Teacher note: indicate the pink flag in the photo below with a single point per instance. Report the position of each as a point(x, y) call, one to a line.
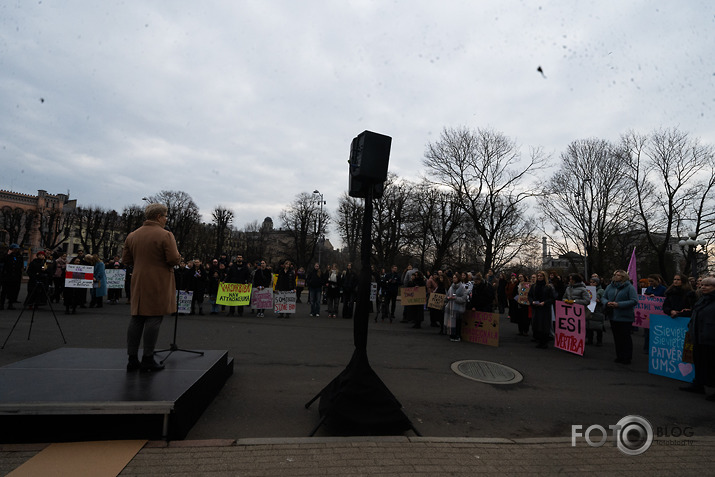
point(632, 269)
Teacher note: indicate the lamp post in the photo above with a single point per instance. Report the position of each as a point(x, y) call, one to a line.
point(692, 243)
point(321, 237)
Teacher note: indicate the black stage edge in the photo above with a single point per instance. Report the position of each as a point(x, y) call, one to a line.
point(77, 394)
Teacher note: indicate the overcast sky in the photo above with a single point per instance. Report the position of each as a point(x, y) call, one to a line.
point(246, 104)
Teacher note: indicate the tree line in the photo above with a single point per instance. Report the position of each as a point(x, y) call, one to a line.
point(480, 204)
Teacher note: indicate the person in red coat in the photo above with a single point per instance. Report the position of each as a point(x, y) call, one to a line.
point(152, 251)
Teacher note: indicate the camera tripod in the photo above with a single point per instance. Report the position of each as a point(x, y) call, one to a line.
point(40, 287)
point(173, 346)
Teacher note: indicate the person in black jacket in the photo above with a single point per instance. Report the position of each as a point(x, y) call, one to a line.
point(315, 282)
point(285, 281)
point(11, 276)
point(197, 281)
point(263, 278)
point(482, 298)
point(391, 282)
point(350, 283)
point(237, 273)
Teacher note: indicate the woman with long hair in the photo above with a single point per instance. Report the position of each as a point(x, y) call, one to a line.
point(456, 301)
point(541, 299)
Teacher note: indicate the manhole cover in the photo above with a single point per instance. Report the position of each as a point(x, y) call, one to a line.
point(487, 372)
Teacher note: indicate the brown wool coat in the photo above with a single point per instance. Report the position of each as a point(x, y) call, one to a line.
point(152, 250)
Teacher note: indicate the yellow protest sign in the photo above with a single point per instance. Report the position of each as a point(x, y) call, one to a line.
point(233, 294)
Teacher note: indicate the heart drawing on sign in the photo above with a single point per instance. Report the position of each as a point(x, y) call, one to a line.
point(685, 368)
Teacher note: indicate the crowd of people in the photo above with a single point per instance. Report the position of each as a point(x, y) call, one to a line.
point(527, 300)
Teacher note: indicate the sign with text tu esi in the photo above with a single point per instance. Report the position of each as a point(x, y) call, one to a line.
point(570, 327)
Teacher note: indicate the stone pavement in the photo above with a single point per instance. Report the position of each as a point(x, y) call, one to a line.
point(402, 456)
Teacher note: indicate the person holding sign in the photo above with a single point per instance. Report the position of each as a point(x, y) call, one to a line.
point(262, 279)
point(679, 298)
point(702, 329)
point(541, 299)
point(456, 303)
point(152, 251)
point(620, 300)
point(285, 281)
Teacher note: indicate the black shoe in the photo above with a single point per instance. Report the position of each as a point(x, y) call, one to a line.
point(134, 364)
point(10, 307)
point(416, 326)
point(710, 398)
point(693, 388)
point(542, 346)
point(148, 365)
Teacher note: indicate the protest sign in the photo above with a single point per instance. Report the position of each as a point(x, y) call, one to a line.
point(413, 296)
point(233, 294)
point(185, 301)
point(647, 305)
point(284, 302)
point(262, 299)
point(436, 301)
point(115, 277)
point(592, 292)
point(480, 327)
point(570, 327)
point(522, 296)
point(300, 282)
point(373, 291)
point(79, 276)
point(665, 353)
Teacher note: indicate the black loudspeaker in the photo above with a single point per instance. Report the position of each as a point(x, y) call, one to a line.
point(369, 157)
point(360, 188)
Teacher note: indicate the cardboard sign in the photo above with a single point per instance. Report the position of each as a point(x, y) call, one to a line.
point(262, 299)
point(480, 327)
point(233, 294)
point(116, 277)
point(284, 302)
point(414, 296)
point(665, 353)
point(648, 305)
point(373, 291)
point(522, 297)
point(185, 301)
point(570, 327)
point(436, 301)
point(79, 276)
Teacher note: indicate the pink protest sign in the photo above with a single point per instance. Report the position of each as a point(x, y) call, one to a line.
point(262, 299)
point(648, 305)
point(570, 327)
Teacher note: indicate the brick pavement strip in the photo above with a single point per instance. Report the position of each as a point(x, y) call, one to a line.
point(398, 456)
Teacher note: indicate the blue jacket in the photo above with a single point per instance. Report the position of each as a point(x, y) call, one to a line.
point(625, 295)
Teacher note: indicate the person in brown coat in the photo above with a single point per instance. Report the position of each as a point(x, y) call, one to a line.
point(152, 251)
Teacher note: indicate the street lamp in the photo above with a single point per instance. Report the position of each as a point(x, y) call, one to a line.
point(692, 244)
point(321, 238)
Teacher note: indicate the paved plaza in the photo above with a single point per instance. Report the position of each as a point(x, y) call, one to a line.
point(258, 424)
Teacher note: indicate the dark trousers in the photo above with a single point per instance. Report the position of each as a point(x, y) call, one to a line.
point(10, 291)
point(392, 301)
point(622, 339)
point(143, 325)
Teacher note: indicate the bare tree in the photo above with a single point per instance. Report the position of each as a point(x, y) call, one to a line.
point(390, 220)
point(183, 215)
point(349, 222)
point(96, 228)
point(485, 171)
point(222, 221)
point(667, 170)
point(17, 222)
point(588, 201)
point(305, 224)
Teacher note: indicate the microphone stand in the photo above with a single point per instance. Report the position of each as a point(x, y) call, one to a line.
point(173, 346)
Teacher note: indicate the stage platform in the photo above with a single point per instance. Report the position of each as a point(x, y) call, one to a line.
point(74, 394)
